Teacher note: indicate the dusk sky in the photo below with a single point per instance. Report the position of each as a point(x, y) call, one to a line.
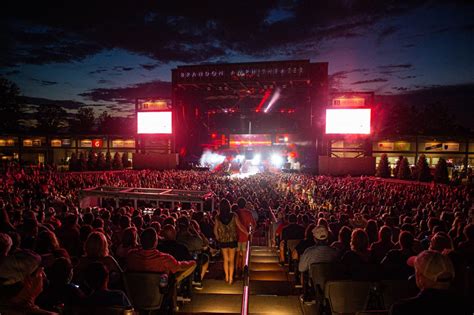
point(107, 53)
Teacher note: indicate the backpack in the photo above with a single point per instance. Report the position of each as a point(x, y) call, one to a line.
point(227, 233)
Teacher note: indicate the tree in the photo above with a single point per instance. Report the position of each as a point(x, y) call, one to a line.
point(125, 162)
point(82, 164)
point(117, 162)
point(73, 163)
point(91, 161)
point(10, 108)
point(104, 123)
point(441, 172)
point(397, 166)
point(84, 120)
point(383, 169)
point(108, 161)
point(404, 170)
point(50, 117)
point(100, 162)
point(422, 170)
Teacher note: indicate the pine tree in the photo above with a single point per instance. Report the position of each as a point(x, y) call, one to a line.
point(404, 170)
point(91, 161)
point(73, 163)
point(117, 162)
point(441, 172)
point(423, 173)
point(82, 165)
point(108, 161)
point(100, 166)
point(125, 161)
point(397, 166)
point(383, 169)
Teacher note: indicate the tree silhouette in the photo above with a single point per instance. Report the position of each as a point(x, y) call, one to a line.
point(82, 164)
point(50, 118)
point(404, 170)
point(441, 172)
point(108, 161)
point(117, 162)
point(422, 170)
point(10, 108)
point(383, 169)
point(84, 120)
point(91, 161)
point(73, 163)
point(100, 166)
point(397, 166)
point(125, 162)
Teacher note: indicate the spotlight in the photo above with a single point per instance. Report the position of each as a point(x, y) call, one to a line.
point(256, 159)
point(277, 160)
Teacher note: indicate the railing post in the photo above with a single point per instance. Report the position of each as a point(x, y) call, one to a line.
point(244, 310)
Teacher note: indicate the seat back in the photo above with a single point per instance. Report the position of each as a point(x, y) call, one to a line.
point(394, 291)
point(347, 296)
point(94, 310)
point(324, 272)
point(373, 312)
point(143, 290)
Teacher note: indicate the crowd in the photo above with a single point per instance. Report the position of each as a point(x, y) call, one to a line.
point(55, 255)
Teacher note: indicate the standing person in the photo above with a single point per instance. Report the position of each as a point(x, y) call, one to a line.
point(225, 231)
point(246, 218)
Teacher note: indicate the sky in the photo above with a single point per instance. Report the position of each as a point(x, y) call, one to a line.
point(107, 53)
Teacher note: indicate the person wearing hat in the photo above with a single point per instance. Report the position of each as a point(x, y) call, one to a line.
point(434, 273)
point(321, 252)
point(21, 281)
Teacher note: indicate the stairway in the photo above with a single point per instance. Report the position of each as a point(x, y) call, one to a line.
point(270, 289)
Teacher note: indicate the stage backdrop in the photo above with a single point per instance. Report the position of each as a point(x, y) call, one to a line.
point(346, 166)
point(155, 161)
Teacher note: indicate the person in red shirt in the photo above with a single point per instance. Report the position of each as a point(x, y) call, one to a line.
point(246, 219)
point(149, 259)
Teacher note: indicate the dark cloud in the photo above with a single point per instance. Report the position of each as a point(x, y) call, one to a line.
point(13, 72)
point(386, 32)
point(150, 66)
point(377, 80)
point(66, 104)
point(127, 95)
point(182, 31)
point(120, 68)
point(399, 66)
point(336, 80)
point(103, 81)
point(100, 70)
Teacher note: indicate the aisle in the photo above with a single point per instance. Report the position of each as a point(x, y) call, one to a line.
point(270, 289)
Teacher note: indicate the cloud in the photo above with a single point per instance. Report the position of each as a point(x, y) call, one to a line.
point(150, 66)
point(121, 68)
point(66, 104)
point(44, 82)
point(397, 66)
point(386, 32)
point(100, 70)
point(370, 81)
point(128, 94)
point(183, 32)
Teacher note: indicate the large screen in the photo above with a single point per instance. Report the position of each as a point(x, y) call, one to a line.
point(154, 123)
point(348, 121)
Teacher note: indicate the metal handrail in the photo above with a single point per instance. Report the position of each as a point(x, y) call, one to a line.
point(244, 310)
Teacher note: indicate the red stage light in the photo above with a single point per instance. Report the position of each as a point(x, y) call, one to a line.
point(213, 136)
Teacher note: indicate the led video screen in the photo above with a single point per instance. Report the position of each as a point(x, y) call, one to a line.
point(348, 121)
point(248, 140)
point(154, 123)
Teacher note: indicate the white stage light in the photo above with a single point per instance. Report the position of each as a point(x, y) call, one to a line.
point(277, 160)
point(256, 159)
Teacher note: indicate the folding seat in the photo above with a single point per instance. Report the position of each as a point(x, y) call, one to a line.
point(395, 290)
point(146, 290)
point(347, 297)
point(381, 312)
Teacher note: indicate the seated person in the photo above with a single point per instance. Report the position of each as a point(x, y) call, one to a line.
point(434, 273)
point(149, 259)
point(97, 250)
point(97, 277)
point(21, 281)
point(60, 290)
